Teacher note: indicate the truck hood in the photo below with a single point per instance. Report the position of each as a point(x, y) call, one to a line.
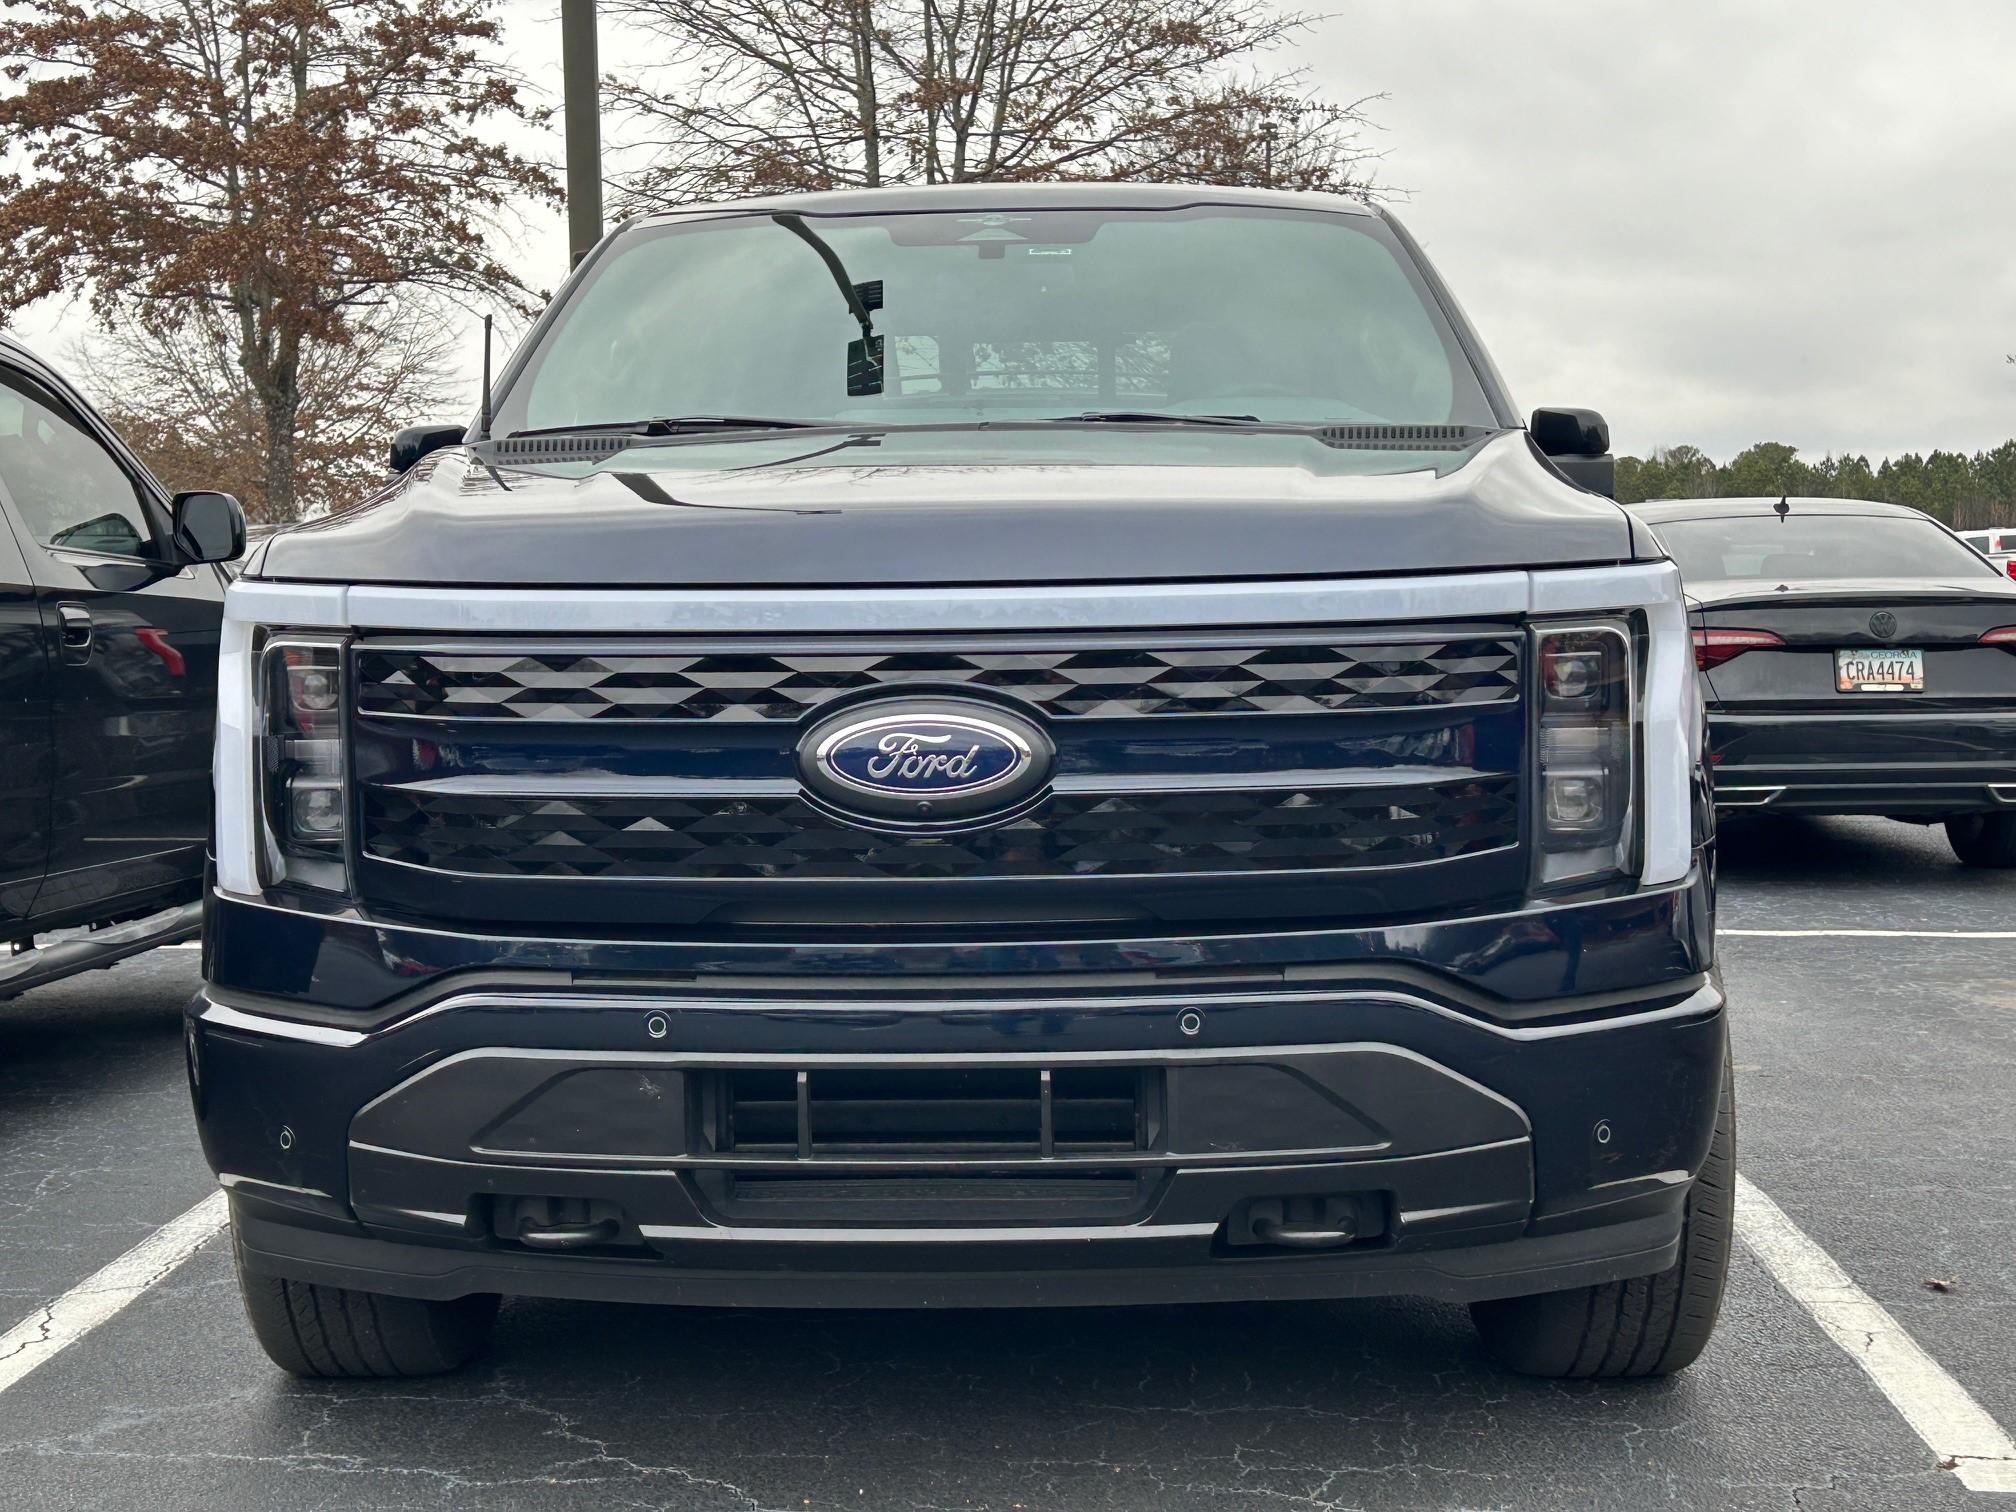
point(966, 508)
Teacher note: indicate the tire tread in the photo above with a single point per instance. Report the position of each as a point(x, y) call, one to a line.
point(1984, 840)
point(1644, 1326)
point(336, 1333)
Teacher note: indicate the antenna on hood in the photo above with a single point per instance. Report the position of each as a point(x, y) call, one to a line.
point(483, 425)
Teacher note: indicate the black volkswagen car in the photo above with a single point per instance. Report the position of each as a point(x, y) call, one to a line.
point(1855, 658)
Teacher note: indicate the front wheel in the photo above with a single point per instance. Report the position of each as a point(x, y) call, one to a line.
point(332, 1331)
point(1648, 1325)
point(1983, 839)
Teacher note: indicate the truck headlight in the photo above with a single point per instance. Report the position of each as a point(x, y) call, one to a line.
point(301, 765)
point(1586, 763)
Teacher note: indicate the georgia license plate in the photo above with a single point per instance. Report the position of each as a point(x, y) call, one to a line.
point(1885, 671)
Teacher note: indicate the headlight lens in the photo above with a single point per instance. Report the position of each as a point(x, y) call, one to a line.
point(301, 760)
point(1586, 761)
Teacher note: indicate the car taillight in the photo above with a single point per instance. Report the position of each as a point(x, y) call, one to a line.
point(2010, 567)
point(1714, 647)
point(1586, 766)
point(2002, 635)
point(301, 761)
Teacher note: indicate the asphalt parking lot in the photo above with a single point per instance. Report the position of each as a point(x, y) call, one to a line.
point(1876, 1069)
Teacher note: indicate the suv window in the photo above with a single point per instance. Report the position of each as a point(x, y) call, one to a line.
point(67, 488)
point(1280, 314)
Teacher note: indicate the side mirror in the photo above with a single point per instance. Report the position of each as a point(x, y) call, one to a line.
point(209, 527)
point(1578, 442)
point(416, 441)
point(1570, 433)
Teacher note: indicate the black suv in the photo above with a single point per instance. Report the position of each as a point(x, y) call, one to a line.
point(972, 747)
point(111, 600)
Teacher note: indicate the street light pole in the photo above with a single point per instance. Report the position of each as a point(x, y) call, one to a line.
point(582, 79)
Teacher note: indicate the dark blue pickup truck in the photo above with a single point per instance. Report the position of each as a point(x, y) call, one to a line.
point(1001, 745)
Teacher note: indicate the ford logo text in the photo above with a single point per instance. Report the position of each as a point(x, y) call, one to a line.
point(902, 759)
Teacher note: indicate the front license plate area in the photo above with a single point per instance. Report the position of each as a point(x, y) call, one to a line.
point(1887, 671)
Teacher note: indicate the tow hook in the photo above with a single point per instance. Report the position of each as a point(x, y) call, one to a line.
point(572, 1236)
point(1276, 1231)
point(1313, 1222)
point(558, 1223)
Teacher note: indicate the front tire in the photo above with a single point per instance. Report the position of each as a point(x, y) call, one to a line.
point(1648, 1325)
point(332, 1332)
point(1983, 839)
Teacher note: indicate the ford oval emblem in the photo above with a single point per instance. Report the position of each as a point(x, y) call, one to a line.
point(925, 761)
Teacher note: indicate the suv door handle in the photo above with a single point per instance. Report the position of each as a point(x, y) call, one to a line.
point(75, 621)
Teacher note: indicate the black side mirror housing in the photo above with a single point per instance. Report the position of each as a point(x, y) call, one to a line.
point(209, 527)
point(1577, 441)
point(416, 441)
point(1570, 433)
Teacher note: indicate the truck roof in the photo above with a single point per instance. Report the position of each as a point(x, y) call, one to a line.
point(15, 354)
point(1034, 196)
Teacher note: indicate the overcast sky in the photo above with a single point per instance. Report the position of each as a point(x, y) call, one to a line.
point(1715, 222)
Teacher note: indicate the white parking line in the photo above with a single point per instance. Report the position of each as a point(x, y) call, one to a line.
point(1960, 1434)
point(1954, 1427)
point(1870, 934)
point(48, 1331)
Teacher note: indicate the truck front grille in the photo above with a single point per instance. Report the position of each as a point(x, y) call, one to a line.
point(1211, 829)
point(1202, 778)
point(1110, 681)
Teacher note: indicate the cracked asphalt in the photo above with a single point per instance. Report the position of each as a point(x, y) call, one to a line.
point(1875, 1080)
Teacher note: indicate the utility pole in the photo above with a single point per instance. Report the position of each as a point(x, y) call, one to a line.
point(582, 77)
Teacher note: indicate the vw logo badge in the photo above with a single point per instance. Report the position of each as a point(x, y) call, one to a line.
point(1883, 624)
point(925, 762)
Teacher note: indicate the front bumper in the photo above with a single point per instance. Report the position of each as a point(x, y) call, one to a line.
point(1475, 1147)
point(1890, 762)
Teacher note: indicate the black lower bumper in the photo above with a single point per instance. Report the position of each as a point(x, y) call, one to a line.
point(271, 1241)
point(1899, 764)
point(781, 1146)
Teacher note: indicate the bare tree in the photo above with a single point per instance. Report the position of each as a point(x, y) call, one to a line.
point(181, 399)
point(279, 165)
point(770, 95)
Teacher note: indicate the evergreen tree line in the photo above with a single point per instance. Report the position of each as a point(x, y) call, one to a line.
point(1967, 492)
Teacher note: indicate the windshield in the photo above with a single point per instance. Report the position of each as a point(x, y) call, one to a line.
point(1816, 546)
point(1277, 315)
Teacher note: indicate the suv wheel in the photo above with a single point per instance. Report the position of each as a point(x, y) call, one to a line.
point(1648, 1325)
point(332, 1331)
point(1983, 839)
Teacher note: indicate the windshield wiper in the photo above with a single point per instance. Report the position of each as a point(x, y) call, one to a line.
point(1148, 417)
point(669, 425)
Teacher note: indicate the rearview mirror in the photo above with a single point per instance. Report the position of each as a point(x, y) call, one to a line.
point(416, 441)
point(1577, 441)
point(209, 527)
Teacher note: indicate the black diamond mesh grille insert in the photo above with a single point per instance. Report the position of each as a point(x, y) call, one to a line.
point(1107, 682)
point(1214, 830)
